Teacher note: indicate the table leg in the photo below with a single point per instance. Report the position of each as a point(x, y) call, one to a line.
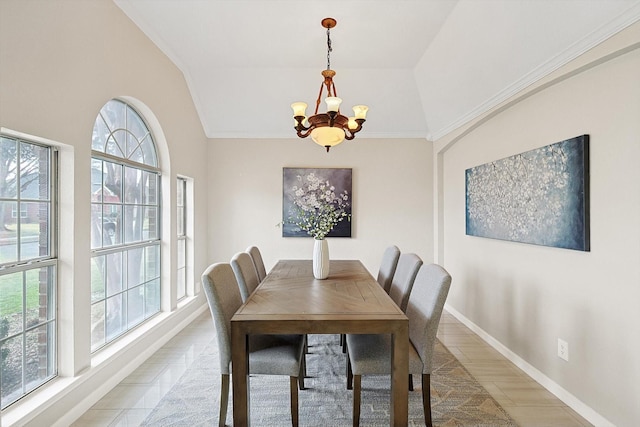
point(240, 375)
point(400, 377)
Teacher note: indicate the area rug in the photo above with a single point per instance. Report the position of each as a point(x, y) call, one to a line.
point(457, 399)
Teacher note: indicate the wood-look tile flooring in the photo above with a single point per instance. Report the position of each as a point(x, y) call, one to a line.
point(129, 403)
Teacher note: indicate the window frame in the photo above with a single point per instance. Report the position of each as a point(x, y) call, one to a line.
point(36, 264)
point(123, 247)
point(181, 219)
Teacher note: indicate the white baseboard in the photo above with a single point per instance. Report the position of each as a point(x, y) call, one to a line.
point(569, 399)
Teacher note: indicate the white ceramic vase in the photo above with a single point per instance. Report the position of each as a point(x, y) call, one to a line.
point(320, 259)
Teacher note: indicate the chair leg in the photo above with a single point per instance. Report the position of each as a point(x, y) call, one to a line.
point(410, 382)
point(293, 385)
point(349, 374)
point(224, 400)
point(343, 341)
point(303, 371)
point(426, 399)
point(356, 399)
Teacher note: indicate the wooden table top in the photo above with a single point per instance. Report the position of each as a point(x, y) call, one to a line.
point(290, 290)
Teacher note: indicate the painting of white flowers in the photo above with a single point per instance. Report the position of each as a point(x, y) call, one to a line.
point(539, 197)
point(316, 202)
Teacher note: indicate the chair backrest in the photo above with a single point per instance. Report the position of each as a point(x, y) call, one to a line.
point(388, 267)
point(424, 310)
point(223, 296)
point(400, 289)
point(256, 256)
point(246, 274)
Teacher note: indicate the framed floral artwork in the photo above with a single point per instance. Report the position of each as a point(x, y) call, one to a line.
point(316, 202)
point(539, 197)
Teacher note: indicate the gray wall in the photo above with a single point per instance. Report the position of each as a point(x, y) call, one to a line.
point(525, 297)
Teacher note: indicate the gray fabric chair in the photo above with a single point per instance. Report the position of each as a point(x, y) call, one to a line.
point(405, 274)
point(371, 354)
point(246, 274)
point(256, 256)
point(388, 267)
point(268, 354)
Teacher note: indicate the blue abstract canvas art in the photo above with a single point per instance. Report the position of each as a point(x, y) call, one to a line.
point(539, 197)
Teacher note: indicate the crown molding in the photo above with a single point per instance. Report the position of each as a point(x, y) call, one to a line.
point(597, 36)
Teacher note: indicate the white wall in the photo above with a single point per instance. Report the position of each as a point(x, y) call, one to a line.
point(61, 62)
point(392, 196)
point(526, 297)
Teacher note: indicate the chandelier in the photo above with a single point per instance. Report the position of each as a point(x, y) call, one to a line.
point(330, 128)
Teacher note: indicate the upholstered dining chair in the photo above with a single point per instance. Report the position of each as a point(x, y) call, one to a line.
point(371, 354)
point(388, 267)
point(256, 256)
point(385, 275)
point(268, 354)
point(402, 283)
point(246, 274)
point(400, 287)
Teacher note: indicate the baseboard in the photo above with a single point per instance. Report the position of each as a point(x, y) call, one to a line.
point(569, 399)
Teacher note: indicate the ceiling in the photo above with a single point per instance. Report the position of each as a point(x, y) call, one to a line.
point(424, 67)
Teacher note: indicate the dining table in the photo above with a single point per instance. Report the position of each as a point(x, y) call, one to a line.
point(291, 301)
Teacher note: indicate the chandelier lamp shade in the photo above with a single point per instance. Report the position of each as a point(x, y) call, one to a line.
point(330, 128)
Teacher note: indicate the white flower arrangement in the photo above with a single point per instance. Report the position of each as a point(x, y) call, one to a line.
point(316, 207)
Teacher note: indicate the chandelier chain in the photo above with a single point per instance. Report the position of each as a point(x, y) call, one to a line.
point(329, 49)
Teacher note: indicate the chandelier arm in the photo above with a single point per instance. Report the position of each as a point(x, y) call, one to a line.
point(302, 134)
point(318, 101)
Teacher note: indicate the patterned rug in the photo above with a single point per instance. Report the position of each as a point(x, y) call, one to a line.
point(457, 399)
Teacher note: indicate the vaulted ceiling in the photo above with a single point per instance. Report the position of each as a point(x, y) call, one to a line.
point(424, 67)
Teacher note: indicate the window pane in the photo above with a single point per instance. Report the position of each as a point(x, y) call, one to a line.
point(100, 134)
point(135, 124)
point(152, 298)
point(182, 243)
point(38, 365)
point(152, 259)
point(151, 224)
point(133, 149)
point(116, 316)
point(151, 188)
point(135, 305)
point(97, 278)
point(133, 219)
point(11, 370)
point(116, 143)
point(112, 191)
point(39, 292)
point(9, 233)
point(97, 325)
point(34, 172)
point(111, 220)
point(11, 292)
point(133, 186)
point(135, 267)
point(149, 152)
point(114, 114)
point(115, 276)
point(34, 230)
point(8, 158)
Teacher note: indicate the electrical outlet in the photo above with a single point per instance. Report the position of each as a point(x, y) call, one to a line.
point(563, 349)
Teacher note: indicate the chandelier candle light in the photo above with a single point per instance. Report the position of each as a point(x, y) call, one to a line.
point(330, 128)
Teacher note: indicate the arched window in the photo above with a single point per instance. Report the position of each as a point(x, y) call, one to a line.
point(125, 223)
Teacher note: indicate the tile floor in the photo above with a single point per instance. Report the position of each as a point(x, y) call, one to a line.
point(129, 403)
